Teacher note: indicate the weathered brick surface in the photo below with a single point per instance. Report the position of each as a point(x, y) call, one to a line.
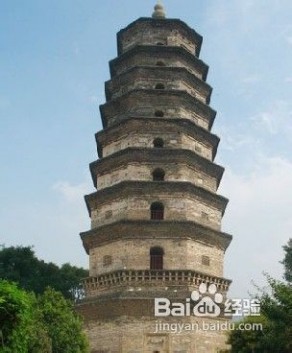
point(148, 77)
point(143, 171)
point(176, 206)
point(173, 104)
point(142, 332)
point(135, 254)
point(175, 140)
point(168, 32)
point(157, 55)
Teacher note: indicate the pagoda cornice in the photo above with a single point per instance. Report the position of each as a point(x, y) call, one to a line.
point(134, 124)
point(168, 50)
point(171, 24)
point(125, 188)
point(152, 155)
point(180, 74)
point(166, 229)
point(120, 104)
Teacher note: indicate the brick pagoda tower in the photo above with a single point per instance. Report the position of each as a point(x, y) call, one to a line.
point(156, 216)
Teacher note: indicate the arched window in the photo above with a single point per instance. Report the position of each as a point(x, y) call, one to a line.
point(160, 86)
point(159, 113)
point(160, 63)
point(156, 258)
point(158, 142)
point(158, 174)
point(157, 210)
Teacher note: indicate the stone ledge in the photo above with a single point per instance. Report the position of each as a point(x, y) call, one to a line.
point(152, 124)
point(193, 60)
point(151, 278)
point(141, 71)
point(149, 188)
point(166, 23)
point(152, 155)
point(174, 98)
point(133, 229)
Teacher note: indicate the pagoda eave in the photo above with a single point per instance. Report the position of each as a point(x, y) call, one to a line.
point(171, 23)
point(199, 64)
point(132, 124)
point(166, 229)
point(165, 155)
point(139, 95)
point(124, 188)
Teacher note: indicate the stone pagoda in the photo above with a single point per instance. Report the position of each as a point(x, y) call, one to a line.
point(156, 215)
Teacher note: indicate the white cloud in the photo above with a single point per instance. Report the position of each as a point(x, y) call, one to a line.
point(235, 137)
point(72, 193)
point(277, 118)
point(97, 99)
point(259, 217)
point(250, 79)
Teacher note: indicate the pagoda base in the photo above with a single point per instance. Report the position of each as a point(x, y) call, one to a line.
point(109, 330)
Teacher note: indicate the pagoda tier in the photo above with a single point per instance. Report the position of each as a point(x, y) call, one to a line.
point(175, 133)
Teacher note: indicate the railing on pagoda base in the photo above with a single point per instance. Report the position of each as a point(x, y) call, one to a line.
point(150, 278)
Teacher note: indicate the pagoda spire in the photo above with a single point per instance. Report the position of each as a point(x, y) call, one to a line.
point(158, 11)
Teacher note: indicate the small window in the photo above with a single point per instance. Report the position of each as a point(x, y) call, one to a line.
point(205, 260)
point(107, 260)
point(108, 214)
point(159, 113)
point(205, 215)
point(156, 258)
point(157, 211)
point(160, 86)
point(158, 174)
point(160, 43)
point(160, 63)
point(198, 148)
point(158, 142)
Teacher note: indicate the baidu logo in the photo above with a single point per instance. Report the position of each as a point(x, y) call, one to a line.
point(203, 302)
point(207, 306)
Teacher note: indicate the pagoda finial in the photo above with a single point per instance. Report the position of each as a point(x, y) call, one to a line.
point(158, 10)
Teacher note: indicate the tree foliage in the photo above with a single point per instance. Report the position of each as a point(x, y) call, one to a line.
point(20, 264)
point(276, 317)
point(62, 324)
point(43, 324)
point(287, 262)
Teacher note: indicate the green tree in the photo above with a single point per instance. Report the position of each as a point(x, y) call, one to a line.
point(63, 325)
point(20, 264)
point(43, 324)
point(287, 262)
point(276, 317)
point(277, 308)
point(20, 328)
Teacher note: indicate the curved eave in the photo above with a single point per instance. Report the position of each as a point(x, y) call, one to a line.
point(132, 154)
point(205, 88)
point(209, 113)
point(123, 188)
point(137, 229)
point(159, 49)
point(181, 124)
point(166, 22)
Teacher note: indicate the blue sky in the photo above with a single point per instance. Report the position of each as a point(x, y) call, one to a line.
point(53, 63)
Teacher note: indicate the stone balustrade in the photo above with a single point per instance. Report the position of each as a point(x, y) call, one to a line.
point(146, 278)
